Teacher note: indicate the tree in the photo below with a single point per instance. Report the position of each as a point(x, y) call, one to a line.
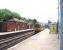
point(6, 14)
point(34, 21)
point(29, 21)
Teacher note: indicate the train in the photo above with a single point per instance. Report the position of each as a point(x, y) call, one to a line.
point(37, 28)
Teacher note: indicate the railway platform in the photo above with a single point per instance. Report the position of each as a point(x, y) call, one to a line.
point(41, 41)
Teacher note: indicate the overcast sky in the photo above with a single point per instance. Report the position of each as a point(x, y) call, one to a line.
point(42, 10)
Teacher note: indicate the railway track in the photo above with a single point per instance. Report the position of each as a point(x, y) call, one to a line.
point(9, 40)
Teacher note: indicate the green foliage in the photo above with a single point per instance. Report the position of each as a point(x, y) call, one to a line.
point(29, 21)
point(34, 21)
point(6, 14)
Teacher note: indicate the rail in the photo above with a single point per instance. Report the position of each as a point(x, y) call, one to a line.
point(9, 39)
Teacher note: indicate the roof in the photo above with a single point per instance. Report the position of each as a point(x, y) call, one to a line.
point(16, 20)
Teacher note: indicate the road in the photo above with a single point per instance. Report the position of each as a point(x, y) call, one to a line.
point(41, 41)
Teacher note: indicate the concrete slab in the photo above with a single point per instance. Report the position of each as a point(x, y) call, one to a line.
point(41, 41)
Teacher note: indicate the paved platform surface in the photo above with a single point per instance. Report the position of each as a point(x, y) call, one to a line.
point(41, 41)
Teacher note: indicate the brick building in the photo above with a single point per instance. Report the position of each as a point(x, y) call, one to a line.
point(13, 25)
